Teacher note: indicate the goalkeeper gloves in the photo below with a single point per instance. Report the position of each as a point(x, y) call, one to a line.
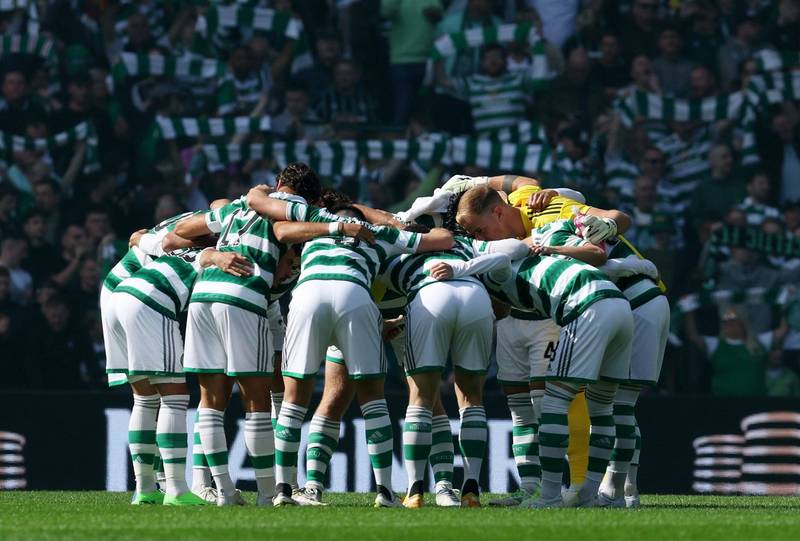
point(596, 229)
point(461, 183)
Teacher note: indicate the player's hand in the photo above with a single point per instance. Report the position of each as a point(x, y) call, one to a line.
point(392, 327)
point(357, 231)
point(135, 237)
point(233, 263)
point(538, 201)
point(596, 229)
point(441, 271)
point(538, 249)
point(461, 183)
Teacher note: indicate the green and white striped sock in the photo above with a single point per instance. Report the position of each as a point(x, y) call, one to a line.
point(524, 444)
point(625, 443)
point(158, 467)
point(287, 442)
point(554, 436)
point(323, 437)
point(201, 475)
point(537, 395)
point(472, 442)
point(260, 443)
point(142, 440)
point(215, 446)
point(277, 400)
point(172, 441)
point(442, 450)
point(602, 432)
point(417, 441)
point(632, 483)
point(380, 441)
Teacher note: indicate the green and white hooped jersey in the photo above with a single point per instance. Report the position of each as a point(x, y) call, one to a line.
point(408, 273)
point(244, 231)
point(135, 258)
point(638, 289)
point(558, 233)
point(562, 288)
point(349, 260)
point(166, 283)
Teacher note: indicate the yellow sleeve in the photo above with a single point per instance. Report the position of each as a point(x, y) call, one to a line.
point(519, 197)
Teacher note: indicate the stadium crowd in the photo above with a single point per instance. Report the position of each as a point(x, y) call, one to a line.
point(681, 113)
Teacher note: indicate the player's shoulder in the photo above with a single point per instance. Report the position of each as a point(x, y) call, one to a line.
point(519, 196)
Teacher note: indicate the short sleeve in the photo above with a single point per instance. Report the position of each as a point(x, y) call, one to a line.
point(519, 197)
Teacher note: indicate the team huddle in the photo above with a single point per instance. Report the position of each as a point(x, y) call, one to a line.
point(579, 319)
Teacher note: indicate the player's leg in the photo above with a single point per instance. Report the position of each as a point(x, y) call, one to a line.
point(578, 450)
point(142, 440)
point(417, 432)
point(309, 330)
point(202, 481)
point(612, 489)
point(470, 349)
point(380, 437)
point(612, 332)
point(258, 434)
point(276, 390)
point(513, 369)
point(442, 456)
point(430, 322)
point(206, 356)
point(323, 435)
point(631, 483)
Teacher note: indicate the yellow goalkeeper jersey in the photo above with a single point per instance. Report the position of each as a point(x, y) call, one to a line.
point(559, 208)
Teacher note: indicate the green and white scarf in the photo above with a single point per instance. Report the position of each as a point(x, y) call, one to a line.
point(753, 238)
point(174, 127)
point(11, 5)
point(755, 295)
point(147, 65)
point(640, 104)
point(770, 60)
point(10, 143)
point(30, 44)
point(239, 16)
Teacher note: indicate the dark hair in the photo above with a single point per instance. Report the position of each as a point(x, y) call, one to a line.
point(57, 300)
point(333, 198)
point(4, 272)
point(493, 47)
point(7, 189)
point(96, 209)
point(302, 180)
point(33, 214)
point(54, 185)
point(759, 173)
point(349, 208)
point(296, 86)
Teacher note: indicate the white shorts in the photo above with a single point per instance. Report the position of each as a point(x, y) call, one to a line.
point(449, 318)
point(226, 339)
point(596, 345)
point(115, 344)
point(339, 313)
point(524, 349)
point(650, 334)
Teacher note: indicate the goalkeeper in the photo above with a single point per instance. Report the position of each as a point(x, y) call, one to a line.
point(525, 341)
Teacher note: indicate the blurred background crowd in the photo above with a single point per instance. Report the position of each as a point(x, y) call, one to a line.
point(683, 113)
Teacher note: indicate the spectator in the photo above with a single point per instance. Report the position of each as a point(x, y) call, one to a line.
point(497, 98)
point(572, 95)
point(59, 354)
point(722, 190)
point(298, 122)
point(6, 304)
point(703, 34)
point(781, 151)
point(74, 245)
point(17, 106)
point(702, 83)
point(476, 13)
point(47, 199)
point(756, 204)
point(780, 379)
point(137, 35)
point(411, 42)
point(79, 109)
point(40, 262)
point(558, 18)
point(86, 296)
point(783, 32)
point(639, 32)
point(671, 67)
point(611, 72)
point(643, 76)
point(346, 102)
point(319, 77)
point(244, 90)
point(8, 209)
point(737, 49)
point(738, 355)
point(747, 269)
point(13, 251)
point(30, 166)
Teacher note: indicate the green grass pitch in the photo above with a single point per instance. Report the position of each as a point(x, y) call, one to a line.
point(86, 516)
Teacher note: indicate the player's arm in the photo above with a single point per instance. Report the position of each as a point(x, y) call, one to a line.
point(621, 222)
point(622, 267)
point(506, 183)
point(378, 216)
point(479, 265)
point(501, 310)
point(274, 209)
point(438, 240)
point(230, 262)
point(193, 227)
point(300, 232)
point(587, 252)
